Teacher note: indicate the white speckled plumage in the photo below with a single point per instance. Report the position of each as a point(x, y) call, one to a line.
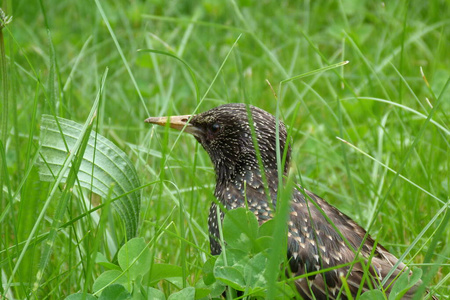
point(313, 242)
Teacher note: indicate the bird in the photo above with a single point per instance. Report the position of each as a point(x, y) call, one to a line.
point(319, 236)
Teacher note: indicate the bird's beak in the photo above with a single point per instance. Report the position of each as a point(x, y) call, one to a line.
point(176, 122)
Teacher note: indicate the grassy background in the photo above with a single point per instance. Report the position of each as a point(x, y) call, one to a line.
point(57, 51)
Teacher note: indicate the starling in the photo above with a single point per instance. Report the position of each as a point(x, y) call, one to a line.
point(315, 242)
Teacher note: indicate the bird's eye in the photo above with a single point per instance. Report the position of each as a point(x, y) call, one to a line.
point(215, 128)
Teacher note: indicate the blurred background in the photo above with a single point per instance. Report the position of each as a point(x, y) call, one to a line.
point(238, 51)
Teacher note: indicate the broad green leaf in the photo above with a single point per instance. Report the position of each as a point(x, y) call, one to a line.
point(134, 257)
point(104, 167)
point(115, 292)
point(240, 228)
point(78, 151)
point(185, 294)
point(108, 278)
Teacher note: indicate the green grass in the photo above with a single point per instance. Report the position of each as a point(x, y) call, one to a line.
point(363, 136)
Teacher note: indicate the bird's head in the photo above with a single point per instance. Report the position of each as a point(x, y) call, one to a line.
point(226, 135)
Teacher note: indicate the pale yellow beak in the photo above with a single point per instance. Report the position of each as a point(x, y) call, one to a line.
point(176, 122)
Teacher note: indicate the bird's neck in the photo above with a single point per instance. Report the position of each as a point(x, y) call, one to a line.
point(243, 184)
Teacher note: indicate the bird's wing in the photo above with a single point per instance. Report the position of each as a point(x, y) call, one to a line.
point(316, 243)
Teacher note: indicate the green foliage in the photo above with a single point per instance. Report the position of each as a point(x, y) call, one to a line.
point(133, 257)
point(404, 283)
point(400, 287)
point(389, 170)
point(187, 293)
point(81, 296)
point(242, 264)
point(115, 292)
point(134, 271)
point(240, 229)
point(104, 169)
point(373, 295)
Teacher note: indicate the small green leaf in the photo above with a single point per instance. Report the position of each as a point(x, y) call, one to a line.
point(108, 278)
point(231, 271)
point(154, 294)
point(254, 271)
point(81, 296)
point(285, 291)
point(263, 243)
point(214, 289)
point(235, 258)
point(103, 261)
point(115, 292)
point(201, 293)
point(217, 289)
point(134, 256)
point(176, 281)
point(372, 295)
point(164, 271)
point(404, 283)
point(266, 228)
point(240, 228)
point(208, 271)
point(230, 276)
point(185, 294)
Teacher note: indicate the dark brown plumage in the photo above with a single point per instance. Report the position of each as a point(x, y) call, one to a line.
point(313, 242)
